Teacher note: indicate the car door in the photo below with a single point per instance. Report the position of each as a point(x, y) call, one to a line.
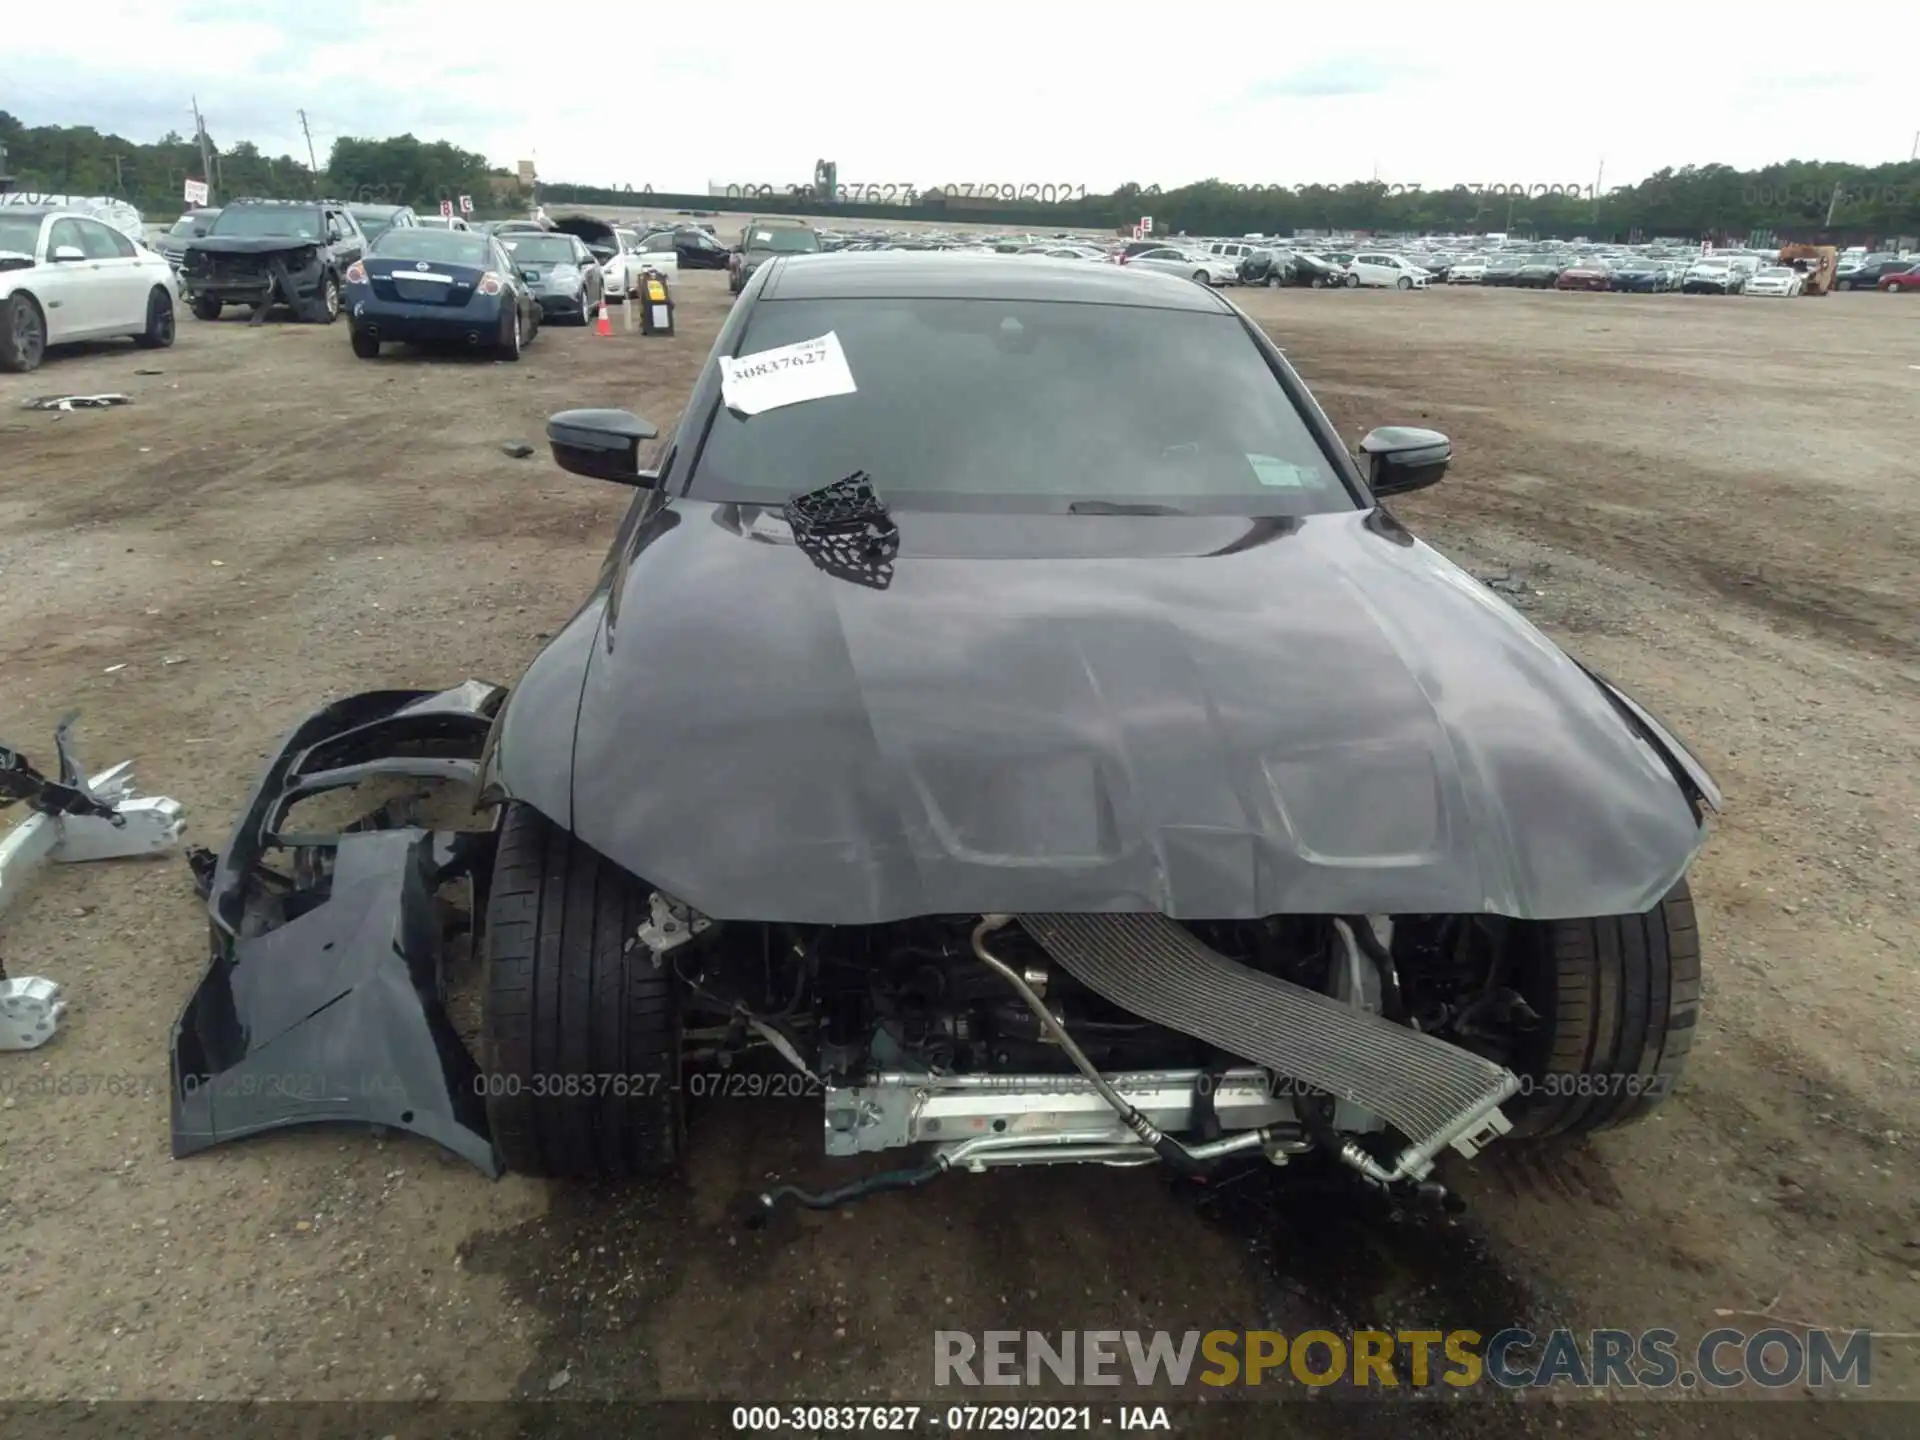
point(118, 275)
point(1373, 269)
point(346, 241)
point(1161, 259)
point(595, 283)
point(66, 287)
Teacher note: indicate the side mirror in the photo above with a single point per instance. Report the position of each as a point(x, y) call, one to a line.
point(1402, 458)
point(66, 253)
point(601, 444)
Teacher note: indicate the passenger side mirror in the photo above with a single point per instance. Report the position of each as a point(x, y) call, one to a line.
point(64, 253)
point(601, 444)
point(1403, 458)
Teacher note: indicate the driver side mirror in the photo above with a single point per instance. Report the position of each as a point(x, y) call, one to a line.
point(601, 444)
point(1403, 458)
point(64, 253)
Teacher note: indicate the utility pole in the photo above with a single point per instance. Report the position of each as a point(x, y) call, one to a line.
point(313, 165)
point(119, 180)
point(1833, 204)
point(206, 161)
point(1598, 180)
point(1914, 154)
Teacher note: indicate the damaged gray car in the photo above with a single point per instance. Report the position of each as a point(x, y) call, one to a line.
point(1008, 713)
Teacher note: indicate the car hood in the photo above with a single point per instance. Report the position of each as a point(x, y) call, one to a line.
point(1207, 717)
point(249, 244)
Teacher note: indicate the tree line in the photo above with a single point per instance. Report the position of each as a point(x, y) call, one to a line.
point(399, 170)
point(1790, 198)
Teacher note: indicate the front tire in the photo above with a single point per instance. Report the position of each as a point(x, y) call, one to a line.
point(206, 309)
point(160, 327)
point(1403, 283)
point(1618, 1000)
point(325, 307)
point(1353, 282)
point(574, 1005)
point(365, 345)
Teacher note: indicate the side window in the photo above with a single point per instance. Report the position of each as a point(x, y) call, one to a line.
point(65, 232)
point(97, 240)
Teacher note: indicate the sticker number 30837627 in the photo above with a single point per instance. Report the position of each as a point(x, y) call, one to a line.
point(787, 375)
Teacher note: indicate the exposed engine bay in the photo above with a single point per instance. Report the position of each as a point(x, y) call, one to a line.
point(1118, 1039)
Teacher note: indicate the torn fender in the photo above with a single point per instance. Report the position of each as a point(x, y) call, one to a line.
point(324, 998)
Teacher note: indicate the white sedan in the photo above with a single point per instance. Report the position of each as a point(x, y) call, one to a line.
point(65, 276)
point(636, 255)
point(1467, 272)
point(1194, 264)
point(1776, 280)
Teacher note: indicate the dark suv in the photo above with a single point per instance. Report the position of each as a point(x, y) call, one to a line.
point(274, 252)
point(764, 239)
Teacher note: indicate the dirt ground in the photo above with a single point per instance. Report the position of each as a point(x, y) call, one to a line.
point(1713, 501)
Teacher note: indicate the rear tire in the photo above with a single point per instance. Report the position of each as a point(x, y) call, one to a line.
point(509, 349)
point(573, 1001)
point(160, 327)
point(23, 335)
point(1618, 999)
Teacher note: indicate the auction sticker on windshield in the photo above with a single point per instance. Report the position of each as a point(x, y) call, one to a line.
point(786, 375)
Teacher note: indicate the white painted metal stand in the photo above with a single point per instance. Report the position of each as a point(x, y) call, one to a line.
point(31, 1007)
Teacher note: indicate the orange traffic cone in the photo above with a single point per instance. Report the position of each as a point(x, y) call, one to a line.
point(604, 325)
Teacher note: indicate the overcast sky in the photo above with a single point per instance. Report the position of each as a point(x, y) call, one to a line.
point(937, 91)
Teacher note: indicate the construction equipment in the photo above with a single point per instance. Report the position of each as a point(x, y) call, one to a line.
point(1817, 262)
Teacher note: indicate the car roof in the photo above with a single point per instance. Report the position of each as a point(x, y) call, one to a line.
point(945, 275)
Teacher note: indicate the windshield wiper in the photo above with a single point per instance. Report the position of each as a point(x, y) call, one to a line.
point(1122, 507)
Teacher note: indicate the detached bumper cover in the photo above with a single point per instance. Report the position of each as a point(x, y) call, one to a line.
point(324, 1000)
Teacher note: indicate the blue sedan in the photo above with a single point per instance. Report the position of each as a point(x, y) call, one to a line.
point(439, 287)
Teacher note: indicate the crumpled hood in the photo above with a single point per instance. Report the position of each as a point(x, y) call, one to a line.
point(248, 244)
point(1211, 718)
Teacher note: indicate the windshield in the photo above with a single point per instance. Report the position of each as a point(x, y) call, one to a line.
point(531, 249)
point(659, 240)
point(449, 247)
point(19, 233)
point(1031, 407)
point(374, 222)
point(183, 227)
point(784, 240)
point(1775, 271)
point(288, 220)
